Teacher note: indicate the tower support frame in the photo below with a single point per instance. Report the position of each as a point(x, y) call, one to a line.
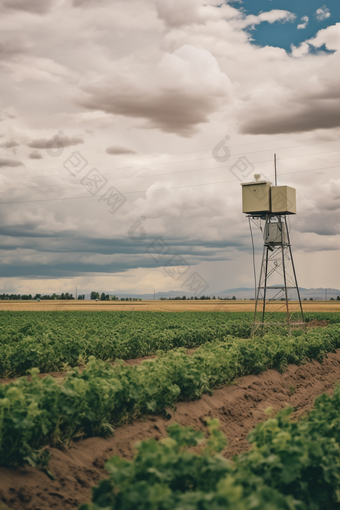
point(273, 297)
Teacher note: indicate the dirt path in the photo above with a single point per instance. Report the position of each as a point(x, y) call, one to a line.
point(239, 408)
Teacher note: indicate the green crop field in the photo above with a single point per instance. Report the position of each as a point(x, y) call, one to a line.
point(292, 466)
point(49, 340)
point(97, 392)
point(46, 411)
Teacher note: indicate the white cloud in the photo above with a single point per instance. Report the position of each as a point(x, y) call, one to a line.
point(277, 15)
point(322, 13)
point(329, 36)
point(273, 16)
point(304, 100)
point(177, 13)
point(105, 72)
point(176, 95)
point(304, 20)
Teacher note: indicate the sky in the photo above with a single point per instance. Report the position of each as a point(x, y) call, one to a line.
point(126, 129)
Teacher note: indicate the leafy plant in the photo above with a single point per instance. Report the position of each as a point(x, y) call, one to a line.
point(292, 465)
point(167, 475)
point(45, 411)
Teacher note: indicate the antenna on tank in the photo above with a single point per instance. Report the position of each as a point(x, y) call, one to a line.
point(275, 169)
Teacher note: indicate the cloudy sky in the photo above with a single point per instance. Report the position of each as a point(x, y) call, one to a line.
point(121, 128)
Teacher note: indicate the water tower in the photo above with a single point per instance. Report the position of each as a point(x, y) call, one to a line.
point(268, 207)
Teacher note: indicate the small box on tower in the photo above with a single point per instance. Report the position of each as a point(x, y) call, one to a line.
point(256, 196)
point(283, 200)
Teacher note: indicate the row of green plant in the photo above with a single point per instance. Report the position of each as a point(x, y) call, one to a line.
point(292, 466)
point(331, 317)
point(49, 340)
point(45, 411)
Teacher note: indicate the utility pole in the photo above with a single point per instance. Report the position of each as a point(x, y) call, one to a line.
point(154, 294)
point(325, 294)
point(76, 292)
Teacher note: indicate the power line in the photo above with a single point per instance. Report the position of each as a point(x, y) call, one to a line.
point(155, 189)
point(178, 172)
point(205, 150)
point(196, 159)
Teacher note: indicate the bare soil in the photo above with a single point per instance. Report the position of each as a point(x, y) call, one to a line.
point(239, 408)
point(317, 324)
point(210, 305)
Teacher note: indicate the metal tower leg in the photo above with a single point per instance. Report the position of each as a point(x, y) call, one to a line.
point(272, 296)
point(258, 292)
point(294, 273)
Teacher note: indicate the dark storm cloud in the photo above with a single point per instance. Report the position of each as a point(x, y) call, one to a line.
point(171, 113)
point(10, 144)
point(35, 155)
point(67, 141)
point(175, 96)
point(10, 47)
point(88, 3)
point(68, 255)
point(119, 149)
point(9, 162)
point(297, 117)
point(33, 6)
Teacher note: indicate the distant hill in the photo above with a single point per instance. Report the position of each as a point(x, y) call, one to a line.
point(239, 293)
point(248, 293)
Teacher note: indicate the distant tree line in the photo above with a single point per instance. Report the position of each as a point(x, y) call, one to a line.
point(102, 296)
point(16, 296)
point(63, 295)
point(107, 297)
point(130, 299)
point(66, 296)
point(320, 299)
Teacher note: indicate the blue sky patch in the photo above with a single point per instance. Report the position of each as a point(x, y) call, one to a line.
point(311, 16)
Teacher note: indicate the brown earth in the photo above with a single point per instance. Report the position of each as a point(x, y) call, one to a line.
point(210, 305)
point(317, 324)
point(239, 408)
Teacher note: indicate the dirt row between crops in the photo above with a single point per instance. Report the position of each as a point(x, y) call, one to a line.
point(239, 408)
